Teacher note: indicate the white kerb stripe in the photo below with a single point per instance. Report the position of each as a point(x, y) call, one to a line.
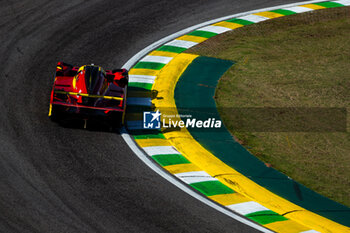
point(134, 78)
point(140, 154)
point(182, 43)
point(160, 150)
point(214, 29)
point(298, 9)
point(310, 231)
point(253, 18)
point(139, 101)
point(134, 125)
point(343, 2)
point(158, 59)
point(247, 207)
point(195, 177)
point(144, 158)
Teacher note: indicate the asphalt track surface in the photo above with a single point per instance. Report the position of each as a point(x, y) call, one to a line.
point(66, 179)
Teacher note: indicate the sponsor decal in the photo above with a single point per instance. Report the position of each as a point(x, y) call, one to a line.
point(263, 119)
point(192, 123)
point(152, 120)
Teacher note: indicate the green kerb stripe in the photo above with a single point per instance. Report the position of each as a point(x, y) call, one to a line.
point(329, 4)
point(148, 136)
point(240, 21)
point(170, 159)
point(147, 86)
point(266, 217)
point(149, 65)
point(204, 34)
point(213, 187)
point(173, 49)
point(284, 12)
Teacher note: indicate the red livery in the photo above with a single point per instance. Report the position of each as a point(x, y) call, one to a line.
point(88, 91)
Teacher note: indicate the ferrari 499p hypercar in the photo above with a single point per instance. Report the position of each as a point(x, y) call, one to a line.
point(88, 91)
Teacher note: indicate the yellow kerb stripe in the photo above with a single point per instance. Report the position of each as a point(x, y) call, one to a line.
point(229, 199)
point(162, 53)
point(268, 14)
point(152, 142)
point(313, 6)
point(228, 25)
point(198, 155)
point(180, 168)
point(144, 72)
point(287, 226)
point(197, 39)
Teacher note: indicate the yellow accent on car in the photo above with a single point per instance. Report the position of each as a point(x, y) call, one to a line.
point(81, 68)
point(74, 82)
point(50, 110)
point(90, 96)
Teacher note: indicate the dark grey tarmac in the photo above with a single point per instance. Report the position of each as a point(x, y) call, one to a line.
point(59, 179)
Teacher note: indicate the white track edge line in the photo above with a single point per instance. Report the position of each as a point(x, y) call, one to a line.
point(143, 157)
point(184, 187)
point(166, 39)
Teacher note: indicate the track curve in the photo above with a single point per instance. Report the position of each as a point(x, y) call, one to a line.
point(56, 179)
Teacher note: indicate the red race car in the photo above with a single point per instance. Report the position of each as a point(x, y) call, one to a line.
point(88, 91)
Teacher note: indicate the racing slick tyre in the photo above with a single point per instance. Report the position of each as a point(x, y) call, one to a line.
point(54, 113)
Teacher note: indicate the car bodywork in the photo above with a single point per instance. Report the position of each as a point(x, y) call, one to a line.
point(88, 91)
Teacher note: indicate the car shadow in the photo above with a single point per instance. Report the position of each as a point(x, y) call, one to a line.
point(91, 124)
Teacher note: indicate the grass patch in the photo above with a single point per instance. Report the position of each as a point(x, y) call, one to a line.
point(300, 60)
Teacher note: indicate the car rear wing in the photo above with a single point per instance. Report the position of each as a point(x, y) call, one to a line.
point(88, 95)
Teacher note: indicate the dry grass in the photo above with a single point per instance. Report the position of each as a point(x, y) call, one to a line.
point(295, 61)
